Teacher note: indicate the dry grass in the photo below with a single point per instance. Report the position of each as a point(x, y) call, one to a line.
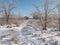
point(51, 23)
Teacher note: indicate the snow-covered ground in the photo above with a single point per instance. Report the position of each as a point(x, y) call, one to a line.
point(27, 34)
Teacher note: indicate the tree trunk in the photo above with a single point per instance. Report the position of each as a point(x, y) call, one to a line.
point(7, 19)
point(58, 15)
point(46, 12)
point(59, 23)
point(45, 24)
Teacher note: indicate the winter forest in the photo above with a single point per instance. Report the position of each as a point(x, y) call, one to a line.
point(29, 22)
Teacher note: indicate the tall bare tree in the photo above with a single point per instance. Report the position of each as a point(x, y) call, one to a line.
point(38, 14)
point(45, 13)
point(7, 8)
point(58, 7)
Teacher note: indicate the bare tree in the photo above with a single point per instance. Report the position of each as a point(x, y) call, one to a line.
point(45, 13)
point(37, 14)
point(58, 7)
point(7, 8)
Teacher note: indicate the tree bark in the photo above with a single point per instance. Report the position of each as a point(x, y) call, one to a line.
point(46, 13)
point(59, 24)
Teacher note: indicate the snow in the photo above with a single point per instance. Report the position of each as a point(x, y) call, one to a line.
point(27, 34)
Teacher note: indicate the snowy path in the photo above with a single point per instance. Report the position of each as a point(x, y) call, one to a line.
point(27, 34)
